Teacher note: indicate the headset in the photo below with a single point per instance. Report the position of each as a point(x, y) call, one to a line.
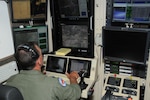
point(28, 48)
point(33, 54)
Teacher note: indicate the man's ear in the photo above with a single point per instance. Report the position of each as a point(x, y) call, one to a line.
point(37, 65)
point(39, 62)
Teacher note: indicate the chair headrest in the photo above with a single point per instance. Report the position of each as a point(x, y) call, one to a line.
point(10, 93)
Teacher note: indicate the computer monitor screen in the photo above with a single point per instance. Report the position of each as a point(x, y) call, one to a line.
point(125, 45)
point(32, 35)
point(119, 14)
point(27, 10)
point(131, 11)
point(21, 37)
point(79, 65)
point(73, 8)
point(75, 36)
point(56, 64)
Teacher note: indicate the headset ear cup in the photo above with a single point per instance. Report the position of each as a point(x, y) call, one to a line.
point(35, 55)
point(27, 48)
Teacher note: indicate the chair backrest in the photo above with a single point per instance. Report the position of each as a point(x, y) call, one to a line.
point(10, 93)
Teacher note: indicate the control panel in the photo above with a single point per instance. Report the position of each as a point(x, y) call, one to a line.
point(57, 66)
point(122, 86)
point(129, 69)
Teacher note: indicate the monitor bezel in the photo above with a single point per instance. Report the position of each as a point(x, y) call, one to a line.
point(39, 20)
point(122, 23)
point(75, 51)
point(25, 32)
point(34, 31)
point(71, 31)
point(80, 60)
point(55, 11)
point(48, 64)
point(120, 59)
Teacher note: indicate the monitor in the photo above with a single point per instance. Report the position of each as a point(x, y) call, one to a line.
point(34, 34)
point(131, 11)
point(23, 11)
point(119, 14)
point(125, 44)
point(73, 26)
point(56, 64)
point(79, 65)
point(73, 8)
point(21, 37)
point(76, 37)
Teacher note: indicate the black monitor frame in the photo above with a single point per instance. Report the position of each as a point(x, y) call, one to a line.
point(127, 5)
point(64, 11)
point(38, 16)
point(113, 43)
point(59, 20)
point(80, 63)
point(38, 35)
point(52, 63)
point(79, 51)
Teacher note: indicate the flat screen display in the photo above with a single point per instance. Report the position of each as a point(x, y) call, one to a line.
point(133, 11)
point(56, 64)
point(73, 8)
point(75, 36)
point(79, 65)
point(130, 83)
point(119, 14)
point(27, 10)
point(31, 35)
point(125, 45)
point(24, 36)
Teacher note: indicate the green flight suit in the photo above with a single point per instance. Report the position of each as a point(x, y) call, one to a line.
point(36, 86)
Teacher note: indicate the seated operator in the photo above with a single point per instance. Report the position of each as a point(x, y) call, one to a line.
point(34, 85)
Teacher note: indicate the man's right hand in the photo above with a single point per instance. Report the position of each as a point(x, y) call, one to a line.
point(73, 76)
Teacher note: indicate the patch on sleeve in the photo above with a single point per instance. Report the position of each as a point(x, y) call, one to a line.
point(62, 82)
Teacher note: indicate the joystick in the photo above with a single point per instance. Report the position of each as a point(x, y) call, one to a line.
point(82, 83)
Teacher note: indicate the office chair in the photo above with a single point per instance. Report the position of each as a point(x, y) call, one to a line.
point(10, 93)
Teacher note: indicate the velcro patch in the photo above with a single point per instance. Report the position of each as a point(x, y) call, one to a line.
point(62, 82)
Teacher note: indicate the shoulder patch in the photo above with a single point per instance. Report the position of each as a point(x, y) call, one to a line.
point(62, 82)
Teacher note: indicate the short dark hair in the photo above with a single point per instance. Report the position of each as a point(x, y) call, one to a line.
point(26, 55)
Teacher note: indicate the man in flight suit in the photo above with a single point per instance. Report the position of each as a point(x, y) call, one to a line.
point(34, 85)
